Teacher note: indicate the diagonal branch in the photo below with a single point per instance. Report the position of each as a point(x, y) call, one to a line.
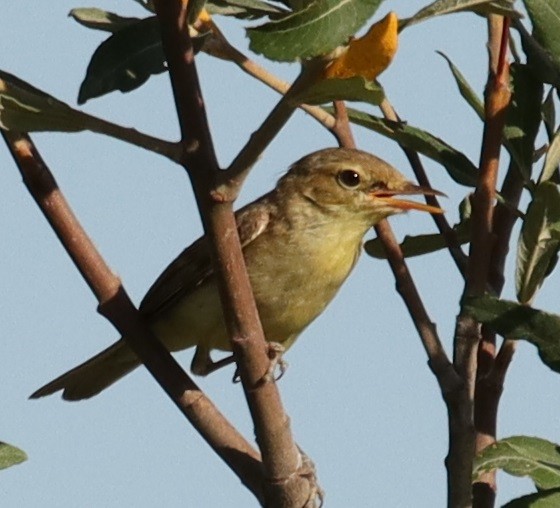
point(116, 306)
point(443, 226)
point(437, 358)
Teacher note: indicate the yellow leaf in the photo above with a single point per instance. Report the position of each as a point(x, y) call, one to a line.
point(369, 55)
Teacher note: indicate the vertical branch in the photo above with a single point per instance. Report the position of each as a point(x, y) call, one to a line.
point(284, 484)
point(492, 368)
point(462, 443)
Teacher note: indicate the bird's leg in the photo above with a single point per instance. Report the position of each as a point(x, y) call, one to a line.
point(202, 363)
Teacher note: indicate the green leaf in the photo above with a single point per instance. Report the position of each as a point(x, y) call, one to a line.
point(243, 9)
point(534, 457)
point(545, 17)
point(98, 19)
point(349, 89)
point(539, 241)
point(523, 117)
point(542, 499)
point(465, 89)
point(10, 455)
point(315, 30)
point(552, 159)
point(459, 167)
point(543, 47)
point(419, 244)
point(425, 244)
point(124, 61)
point(549, 113)
point(519, 322)
point(441, 7)
point(25, 108)
point(28, 109)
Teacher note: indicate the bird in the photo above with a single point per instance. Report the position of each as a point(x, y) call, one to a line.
point(300, 242)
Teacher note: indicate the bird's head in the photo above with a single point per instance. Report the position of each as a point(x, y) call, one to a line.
point(352, 183)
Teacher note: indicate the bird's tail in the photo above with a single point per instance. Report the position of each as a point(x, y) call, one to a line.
point(94, 375)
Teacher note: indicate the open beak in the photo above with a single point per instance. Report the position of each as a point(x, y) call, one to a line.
point(388, 196)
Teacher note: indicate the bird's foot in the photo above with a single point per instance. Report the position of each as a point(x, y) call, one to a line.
point(276, 356)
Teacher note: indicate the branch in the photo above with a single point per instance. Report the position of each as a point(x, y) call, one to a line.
point(116, 306)
point(219, 47)
point(492, 368)
point(467, 337)
point(448, 233)
point(437, 358)
point(285, 485)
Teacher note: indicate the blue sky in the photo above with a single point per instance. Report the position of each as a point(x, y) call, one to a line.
point(362, 401)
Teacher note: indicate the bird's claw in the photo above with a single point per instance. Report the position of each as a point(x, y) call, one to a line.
point(274, 352)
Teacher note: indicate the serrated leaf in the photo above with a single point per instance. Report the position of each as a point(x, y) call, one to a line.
point(543, 499)
point(26, 108)
point(98, 19)
point(124, 61)
point(523, 117)
point(552, 159)
point(534, 457)
point(10, 455)
point(315, 30)
point(519, 322)
point(243, 9)
point(538, 242)
point(441, 7)
point(459, 167)
point(465, 89)
point(351, 89)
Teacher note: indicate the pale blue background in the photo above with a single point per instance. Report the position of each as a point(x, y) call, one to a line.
point(362, 401)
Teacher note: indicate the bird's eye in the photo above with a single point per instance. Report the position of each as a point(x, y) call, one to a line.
point(349, 178)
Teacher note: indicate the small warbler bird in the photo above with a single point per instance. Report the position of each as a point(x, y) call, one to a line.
point(300, 242)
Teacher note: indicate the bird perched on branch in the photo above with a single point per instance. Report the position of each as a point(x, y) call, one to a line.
point(300, 242)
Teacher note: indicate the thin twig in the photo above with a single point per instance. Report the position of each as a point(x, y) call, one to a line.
point(284, 485)
point(115, 305)
point(220, 47)
point(437, 358)
point(448, 233)
point(341, 128)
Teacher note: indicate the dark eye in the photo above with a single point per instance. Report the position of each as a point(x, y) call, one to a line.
point(349, 178)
